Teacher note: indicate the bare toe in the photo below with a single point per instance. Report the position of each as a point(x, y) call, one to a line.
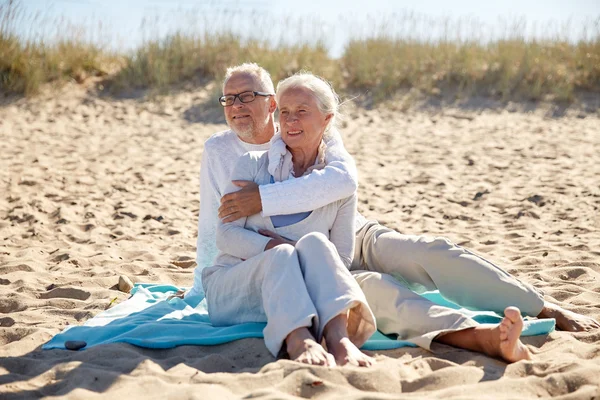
point(511, 347)
point(345, 352)
point(312, 353)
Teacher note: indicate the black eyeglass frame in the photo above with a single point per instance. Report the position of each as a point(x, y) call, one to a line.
point(222, 98)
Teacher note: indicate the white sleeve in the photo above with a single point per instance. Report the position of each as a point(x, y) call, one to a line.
point(341, 233)
point(206, 249)
point(336, 181)
point(232, 237)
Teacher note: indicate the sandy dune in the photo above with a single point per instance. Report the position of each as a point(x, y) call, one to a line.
point(93, 188)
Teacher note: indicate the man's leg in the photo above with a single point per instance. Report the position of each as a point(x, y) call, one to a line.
point(500, 341)
point(462, 276)
point(401, 311)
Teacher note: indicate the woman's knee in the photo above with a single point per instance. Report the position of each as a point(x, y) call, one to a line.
point(281, 252)
point(281, 258)
point(312, 240)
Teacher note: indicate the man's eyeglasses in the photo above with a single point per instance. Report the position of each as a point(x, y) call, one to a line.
point(245, 97)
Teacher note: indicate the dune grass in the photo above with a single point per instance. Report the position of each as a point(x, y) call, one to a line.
point(25, 65)
point(160, 63)
point(508, 67)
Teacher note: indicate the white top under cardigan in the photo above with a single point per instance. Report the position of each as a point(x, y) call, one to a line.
point(222, 150)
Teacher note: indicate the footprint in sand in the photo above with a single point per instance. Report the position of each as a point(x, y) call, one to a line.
point(6, 322)
point(15, 268)
point(14, 335)
point(65, 293)
point(61, 257)
point(11, 305)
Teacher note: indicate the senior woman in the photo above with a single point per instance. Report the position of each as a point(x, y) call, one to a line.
point(299, 283)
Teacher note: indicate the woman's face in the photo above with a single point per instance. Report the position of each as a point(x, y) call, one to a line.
point(301, 122)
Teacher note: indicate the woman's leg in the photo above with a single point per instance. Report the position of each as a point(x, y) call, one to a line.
point(267, 288)
point(346, 321)
point(340, 345)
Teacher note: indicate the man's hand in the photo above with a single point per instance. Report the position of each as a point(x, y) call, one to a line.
point(276, 239)
point(243, 203)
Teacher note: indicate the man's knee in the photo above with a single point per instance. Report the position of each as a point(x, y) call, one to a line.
point(435, 243)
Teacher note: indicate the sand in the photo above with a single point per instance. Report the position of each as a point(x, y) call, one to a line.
point(97, 187)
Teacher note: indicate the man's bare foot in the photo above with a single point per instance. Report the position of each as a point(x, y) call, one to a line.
point(568, 320)
point(302, 347)
point(342, 348)
point(345, 352)
point(501, 341)
point(511, 348)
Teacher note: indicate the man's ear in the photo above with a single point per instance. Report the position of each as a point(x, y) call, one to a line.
point(328, 117)
point(272, 104)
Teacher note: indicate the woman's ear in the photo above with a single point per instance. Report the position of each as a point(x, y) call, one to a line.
point(328, 119)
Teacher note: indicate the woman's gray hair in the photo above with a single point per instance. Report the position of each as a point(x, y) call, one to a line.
point(261, 74)
point(327, 99)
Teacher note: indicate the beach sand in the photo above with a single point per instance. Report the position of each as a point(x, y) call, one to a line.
point(96, 187)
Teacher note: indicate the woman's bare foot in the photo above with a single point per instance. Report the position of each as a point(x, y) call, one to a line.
point(501, 341)
point(302, 347)
point(345, 352)
point(568, 320)
point(342, 348)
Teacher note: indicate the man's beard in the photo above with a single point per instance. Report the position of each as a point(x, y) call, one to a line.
point(244, 132)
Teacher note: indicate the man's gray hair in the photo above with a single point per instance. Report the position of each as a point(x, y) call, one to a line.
point(262, 75)
point(327, 99)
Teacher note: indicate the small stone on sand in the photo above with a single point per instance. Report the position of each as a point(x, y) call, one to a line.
point(125, 284)
point(75, 344)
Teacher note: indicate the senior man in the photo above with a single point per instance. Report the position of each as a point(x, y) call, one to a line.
point(419, 262)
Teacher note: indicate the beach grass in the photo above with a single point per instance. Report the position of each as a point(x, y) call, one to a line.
point(385, 62)
point(27, 64)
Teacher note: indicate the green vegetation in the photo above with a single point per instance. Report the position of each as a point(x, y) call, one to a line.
point(508, 68)
point(26, 65)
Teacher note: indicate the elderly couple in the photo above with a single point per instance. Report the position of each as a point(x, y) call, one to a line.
point(280, 241)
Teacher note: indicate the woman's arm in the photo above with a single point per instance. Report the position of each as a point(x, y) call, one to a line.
point(336, 181)
point(232, 237)
point(342, 233)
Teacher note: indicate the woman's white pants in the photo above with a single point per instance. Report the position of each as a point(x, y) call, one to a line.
point(288, 288)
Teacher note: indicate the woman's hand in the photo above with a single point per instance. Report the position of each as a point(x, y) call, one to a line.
point(276, 239)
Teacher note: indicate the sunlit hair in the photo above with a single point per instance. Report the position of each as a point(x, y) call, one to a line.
point(327, 99)
point(261, 74)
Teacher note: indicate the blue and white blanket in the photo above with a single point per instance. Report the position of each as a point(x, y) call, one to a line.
point(150, 319)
